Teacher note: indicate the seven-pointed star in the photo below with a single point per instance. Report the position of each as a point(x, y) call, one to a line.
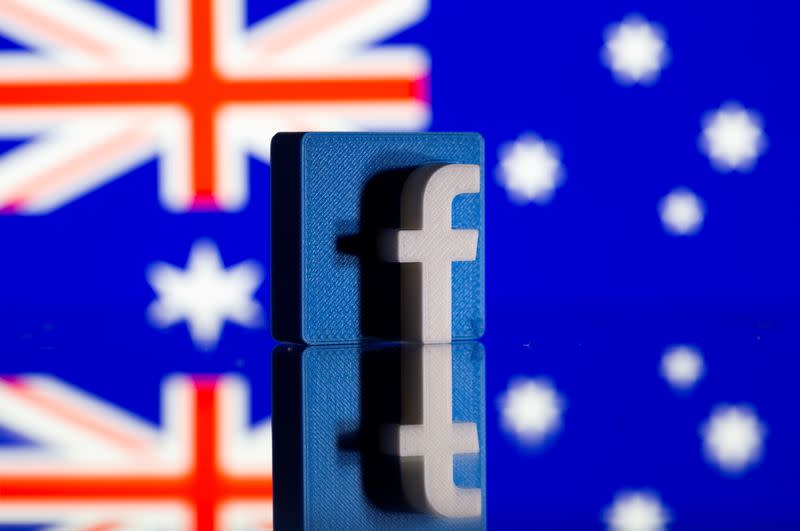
point(530, 169)
point(733, 437)
point(531, 410)
point(635, 50)
point(205, 294)
point(636, 511)
point(733, 138)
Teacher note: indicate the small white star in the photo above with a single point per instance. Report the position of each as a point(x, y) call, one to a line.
point(733, 437)
point(531, 410)
point(635, 50)
point(682, 366)
point(205, 294)
point(732, 137)
point(682, 212)
point(530, 169)
point(636, 511)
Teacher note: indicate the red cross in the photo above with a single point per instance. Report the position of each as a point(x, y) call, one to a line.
point(204, 488)
point(202, 91)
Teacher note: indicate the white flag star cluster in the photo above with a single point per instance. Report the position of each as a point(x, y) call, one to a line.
point(636, 52)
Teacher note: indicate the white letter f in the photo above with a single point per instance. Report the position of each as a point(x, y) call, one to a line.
point(427, 245)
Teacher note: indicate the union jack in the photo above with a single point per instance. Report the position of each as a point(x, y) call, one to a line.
point(95, 466)
point(102, 92)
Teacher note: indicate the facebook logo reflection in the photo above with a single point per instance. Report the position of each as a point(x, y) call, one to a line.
point(342, 415)
point(427, 439)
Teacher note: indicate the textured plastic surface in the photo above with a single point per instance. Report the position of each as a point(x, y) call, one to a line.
point(331, 405)
point(332, 194)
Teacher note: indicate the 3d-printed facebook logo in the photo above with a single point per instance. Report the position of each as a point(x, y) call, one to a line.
point(377, 236)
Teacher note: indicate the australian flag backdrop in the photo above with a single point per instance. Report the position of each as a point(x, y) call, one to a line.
point(643, 272)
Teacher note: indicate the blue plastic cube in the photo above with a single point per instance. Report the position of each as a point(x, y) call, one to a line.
point(332, 194)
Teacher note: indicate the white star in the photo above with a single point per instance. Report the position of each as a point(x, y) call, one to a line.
point(682, 212)
point(682, 366)
point(733, 437)
point(530, 169)
point(531, 410)
point(205, 294)
point(635, 50)
point(636, 511)
point(732, 137)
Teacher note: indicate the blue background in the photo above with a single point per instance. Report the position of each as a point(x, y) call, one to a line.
point(587, 290)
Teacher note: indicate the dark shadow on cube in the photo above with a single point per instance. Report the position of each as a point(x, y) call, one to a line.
point(380, 281)
point(285, 237)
